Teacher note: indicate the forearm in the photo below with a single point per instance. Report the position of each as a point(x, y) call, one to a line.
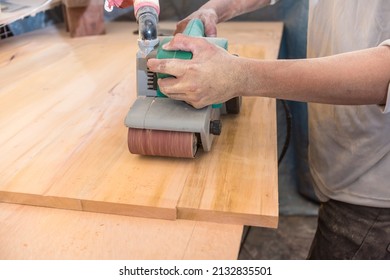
point(229, 9)
point(360, 77)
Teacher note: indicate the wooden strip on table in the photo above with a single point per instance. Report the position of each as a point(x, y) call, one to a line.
point(40, 233)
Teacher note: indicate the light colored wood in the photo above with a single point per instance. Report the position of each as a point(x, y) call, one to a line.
point(28, 232)
point(225, 191)
point(259, 40)
point(63, 142)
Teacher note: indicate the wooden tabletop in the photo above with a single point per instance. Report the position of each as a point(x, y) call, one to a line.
point(63, 145)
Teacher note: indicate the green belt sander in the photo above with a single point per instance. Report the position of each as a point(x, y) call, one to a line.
point(161, 126)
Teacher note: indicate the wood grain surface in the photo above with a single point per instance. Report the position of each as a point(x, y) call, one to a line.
point(40, 233)
point(63, 142)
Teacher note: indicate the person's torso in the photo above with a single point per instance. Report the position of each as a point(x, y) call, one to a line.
point(349, 145)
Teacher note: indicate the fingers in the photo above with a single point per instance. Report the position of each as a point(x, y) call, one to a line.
point(176, 67)
point(177, 89)
point(210, 24)
point(185, 43)
point(173, 67)
point(181, 82)
point(211, 31)
point(191, 82)
point(207, 16)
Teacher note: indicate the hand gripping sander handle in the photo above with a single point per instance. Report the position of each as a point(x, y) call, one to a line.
point(194, 28)
point(161, 126)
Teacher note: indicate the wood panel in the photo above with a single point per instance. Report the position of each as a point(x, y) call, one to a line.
point(232, 189)
point(63, 141)
point(42, 233)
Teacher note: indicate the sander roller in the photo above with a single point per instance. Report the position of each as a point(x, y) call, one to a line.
point(160, 126)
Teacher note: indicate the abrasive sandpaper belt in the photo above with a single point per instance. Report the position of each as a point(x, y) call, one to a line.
point(162, 143)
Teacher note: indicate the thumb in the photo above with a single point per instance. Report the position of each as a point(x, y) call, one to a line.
point(210, 26)
point(211, 31)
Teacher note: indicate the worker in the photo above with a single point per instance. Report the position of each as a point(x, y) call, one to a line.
point(345, 79)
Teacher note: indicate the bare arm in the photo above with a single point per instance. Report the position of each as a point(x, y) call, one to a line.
point(215, 11)
point(213, 76)
point(226, 10)
point(355, 78)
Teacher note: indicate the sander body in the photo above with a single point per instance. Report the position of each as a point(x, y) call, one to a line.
point(161, 126)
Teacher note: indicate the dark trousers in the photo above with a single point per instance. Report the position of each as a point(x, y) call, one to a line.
point(347, 231)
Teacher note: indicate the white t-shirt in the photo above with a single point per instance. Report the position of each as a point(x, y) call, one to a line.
point(349, 146)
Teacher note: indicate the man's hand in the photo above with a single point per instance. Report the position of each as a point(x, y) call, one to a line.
point(207, 16)
point(118, 3)
point(210, 77)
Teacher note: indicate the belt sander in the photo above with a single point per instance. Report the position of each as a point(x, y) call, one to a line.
point(160, 126)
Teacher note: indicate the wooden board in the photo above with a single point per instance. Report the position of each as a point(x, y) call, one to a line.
point(39, 233)
point(63, 141)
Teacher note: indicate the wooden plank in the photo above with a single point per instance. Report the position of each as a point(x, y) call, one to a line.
point(226, 191)
point(63, 141)
point(63, 138)
point(239, 185)
point(41, 233)
point(260, 40)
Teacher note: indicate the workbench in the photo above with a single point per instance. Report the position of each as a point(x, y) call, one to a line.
point(50, 159)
